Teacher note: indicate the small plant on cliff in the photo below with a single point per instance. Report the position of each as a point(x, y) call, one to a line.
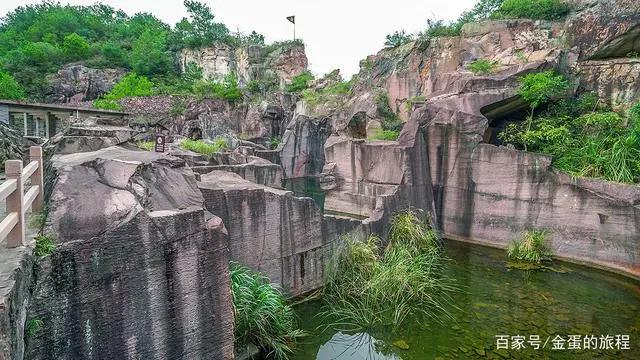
point(300, 82)
point(274, 142)
point(262, 316)
point(32, 327)
point(44, 245)
point(129, 86)
point(398, 38)
point(532, 247)
point(482, 67)
point(227, 90)
point(367, 286)
point(390, 120)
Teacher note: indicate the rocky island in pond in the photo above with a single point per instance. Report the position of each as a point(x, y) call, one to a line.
point(185, 191)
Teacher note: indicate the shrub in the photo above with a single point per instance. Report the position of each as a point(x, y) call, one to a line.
point(390, 120)
point(178, 108)
point(532, 247)
point(131, 85)
point(262, 316)
point(367, 287)
point(300, 82)
point(398, 38)
point(9, 88)
point(205, 148)
point(274, 142)
point(533, 9)
point(44, 245)
point(389, 135)
point(226, 90)
point(583, 139)
point(482, 66)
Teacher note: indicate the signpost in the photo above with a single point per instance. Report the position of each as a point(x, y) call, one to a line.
point(292, 19)
point(160, 141)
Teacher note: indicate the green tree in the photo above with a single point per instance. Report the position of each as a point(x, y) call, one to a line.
point(149, 54)
point(200, 29)
point(9, 88)
point(75, 47)
point(398, 38)
point(538, 88)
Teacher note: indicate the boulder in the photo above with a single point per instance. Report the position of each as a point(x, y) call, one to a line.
point(76, 82)
point(140, 270)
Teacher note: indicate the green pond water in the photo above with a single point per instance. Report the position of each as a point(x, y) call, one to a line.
point(495, 300)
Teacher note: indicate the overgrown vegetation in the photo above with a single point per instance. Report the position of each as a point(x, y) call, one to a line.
point(227, 89)
point(45, 245)
point(205, 148)
point(532, 247)
point(584, 138)
point(300, 82)
point(262, 316)
point(482, 66)
point(36, 40)
point(533, 9)
point(369, 286)
point(9, 88)
point(390, 120)
point(130, 85)
point(331, 94)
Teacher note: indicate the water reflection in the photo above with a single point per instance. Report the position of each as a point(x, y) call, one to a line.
point(361, 346)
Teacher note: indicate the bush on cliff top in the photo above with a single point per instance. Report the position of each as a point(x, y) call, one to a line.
point(369, 286)
point(300, 82)
point(533, 9)
point(583, 138)
point(205, 148)
point(262, 316)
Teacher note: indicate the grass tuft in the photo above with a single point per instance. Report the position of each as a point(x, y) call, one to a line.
point(482, 67)
point(32, 327)
point(262, 316)
point(45, 245)
point(145, 145)
point(368, 287)
point(532, 247)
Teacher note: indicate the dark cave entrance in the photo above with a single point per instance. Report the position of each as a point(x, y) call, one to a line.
point(501, 114)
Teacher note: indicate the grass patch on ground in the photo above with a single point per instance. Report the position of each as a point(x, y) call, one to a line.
point(532, 247)
point(205, 148)
point(45, 245)
point(262, 316)
point(145, 145)
point(370, 285)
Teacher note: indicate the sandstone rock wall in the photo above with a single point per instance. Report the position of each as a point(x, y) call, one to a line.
point(76, 83)
point(274, 232)
point(138, 272)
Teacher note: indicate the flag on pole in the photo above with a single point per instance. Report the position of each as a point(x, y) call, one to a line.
point(292, 19)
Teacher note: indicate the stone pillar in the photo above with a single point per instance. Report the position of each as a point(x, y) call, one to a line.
point(37, 179)
point(13, 170)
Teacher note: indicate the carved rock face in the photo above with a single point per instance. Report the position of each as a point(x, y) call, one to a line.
point(75, 83)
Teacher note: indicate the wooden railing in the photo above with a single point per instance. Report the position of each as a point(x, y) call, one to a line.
point(13, 227)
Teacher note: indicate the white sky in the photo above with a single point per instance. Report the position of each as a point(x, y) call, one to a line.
point(337, 33)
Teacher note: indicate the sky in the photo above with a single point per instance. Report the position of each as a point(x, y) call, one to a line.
point(337, 33)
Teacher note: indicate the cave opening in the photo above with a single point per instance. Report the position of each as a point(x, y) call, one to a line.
point(624, 46)
point(500, 115)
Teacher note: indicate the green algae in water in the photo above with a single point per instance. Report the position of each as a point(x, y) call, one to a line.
point(306, 187)
point(496, 300)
